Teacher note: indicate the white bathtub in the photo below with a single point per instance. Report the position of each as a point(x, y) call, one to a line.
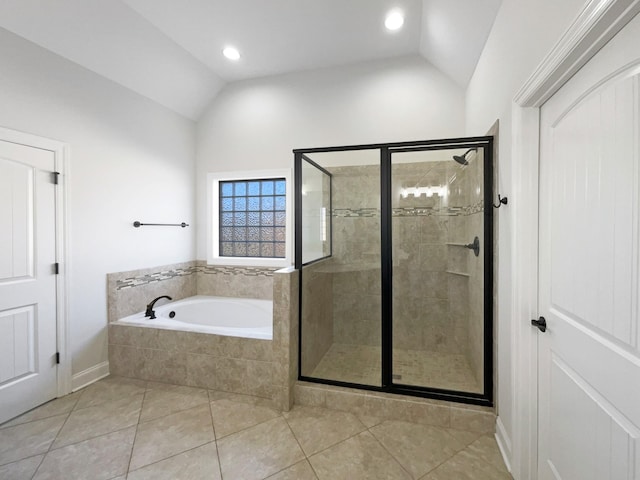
point(233, 317)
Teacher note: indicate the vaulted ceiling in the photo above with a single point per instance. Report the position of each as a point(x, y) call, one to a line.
point(171, 51)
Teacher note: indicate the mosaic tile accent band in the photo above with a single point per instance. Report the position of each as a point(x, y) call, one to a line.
point(181, 272)
point(412, 211)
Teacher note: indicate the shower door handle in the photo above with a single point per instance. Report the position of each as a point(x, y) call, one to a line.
point(541, 323)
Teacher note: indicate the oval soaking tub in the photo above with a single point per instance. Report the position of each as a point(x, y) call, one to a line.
point(230, 316)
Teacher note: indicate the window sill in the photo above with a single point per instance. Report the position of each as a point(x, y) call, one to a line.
point(249, 262)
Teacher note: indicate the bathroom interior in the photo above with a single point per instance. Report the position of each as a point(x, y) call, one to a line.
point(406, 334)
point(387, 312)
point(389, 292)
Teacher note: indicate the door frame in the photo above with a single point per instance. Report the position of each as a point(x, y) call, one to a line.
point(61, 159)
point(595, 25)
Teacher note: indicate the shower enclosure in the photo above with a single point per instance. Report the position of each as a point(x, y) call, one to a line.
point(394, 249)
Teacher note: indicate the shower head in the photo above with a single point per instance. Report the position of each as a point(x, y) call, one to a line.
point(462, 159)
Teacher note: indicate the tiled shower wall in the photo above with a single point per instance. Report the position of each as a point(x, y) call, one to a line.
point(438, 284)
point(468, 193)
point(421, 308)
point(355, 264)
point(317, 309)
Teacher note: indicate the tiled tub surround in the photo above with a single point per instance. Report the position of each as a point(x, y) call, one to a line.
point(230, 316)
point(129, 292)
point(240, 365)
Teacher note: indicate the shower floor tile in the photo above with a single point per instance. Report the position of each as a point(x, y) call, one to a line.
point(361, 364)
point(305, 443)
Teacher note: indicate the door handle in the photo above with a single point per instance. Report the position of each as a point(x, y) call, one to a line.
point(541, 323)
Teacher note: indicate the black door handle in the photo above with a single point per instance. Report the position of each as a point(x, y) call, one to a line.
point(541, 323)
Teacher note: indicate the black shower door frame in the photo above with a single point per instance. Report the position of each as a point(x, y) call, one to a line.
point(386, 151)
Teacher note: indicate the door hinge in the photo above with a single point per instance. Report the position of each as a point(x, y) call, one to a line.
point(56, 268)
point(56, 176)
point(57, 358)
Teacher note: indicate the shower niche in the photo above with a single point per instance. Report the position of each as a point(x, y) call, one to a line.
point(394, 248)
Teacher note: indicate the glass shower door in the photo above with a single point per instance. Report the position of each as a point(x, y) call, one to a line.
point(438, 237)
point(341, 292)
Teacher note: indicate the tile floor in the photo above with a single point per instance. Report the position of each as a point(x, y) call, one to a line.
point(122, 428)
point(361, 364)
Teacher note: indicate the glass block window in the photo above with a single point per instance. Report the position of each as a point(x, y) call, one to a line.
point(253, 218)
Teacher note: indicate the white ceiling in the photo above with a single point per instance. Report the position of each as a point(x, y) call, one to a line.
point(170, 51)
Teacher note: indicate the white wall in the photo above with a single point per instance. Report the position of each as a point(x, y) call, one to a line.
point(130, 160)
point(523, 33)
point(256, 124)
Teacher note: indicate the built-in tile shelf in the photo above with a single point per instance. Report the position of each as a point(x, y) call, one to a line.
point(462, 274)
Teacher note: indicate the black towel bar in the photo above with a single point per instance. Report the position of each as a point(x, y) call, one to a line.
point(139, 224)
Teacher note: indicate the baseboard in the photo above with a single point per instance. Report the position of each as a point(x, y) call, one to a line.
point(504, 443)
point(90, 375)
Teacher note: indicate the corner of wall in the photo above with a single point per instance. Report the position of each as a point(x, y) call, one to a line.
point(504, 443)
point(285, 336)
point(89, 376)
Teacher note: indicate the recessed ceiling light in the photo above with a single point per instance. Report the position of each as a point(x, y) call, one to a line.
point(231, 53)
point(394, 20)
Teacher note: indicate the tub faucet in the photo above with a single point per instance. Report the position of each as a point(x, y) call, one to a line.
point(149, 312)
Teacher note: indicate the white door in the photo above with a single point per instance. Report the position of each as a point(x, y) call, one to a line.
point(28, 372)
point(589, 357)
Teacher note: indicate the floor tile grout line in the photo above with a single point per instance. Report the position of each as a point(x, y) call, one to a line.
point(135, 434)
point(35, 472)
point(20, 460)
point(295, 437)
point(441, 463)
point(166, 414)
point(49, 449)
point(92, 437)
point(335, 444)
point(292, 465)
point(170, 456)
point(391, 454)
point(480, 457)
point(247, 428)
point(33, 421)
point(4, 426)
point(437, 427)
point(306, 457)
point(215, 436)
point(82, 393)
point(109, 380)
